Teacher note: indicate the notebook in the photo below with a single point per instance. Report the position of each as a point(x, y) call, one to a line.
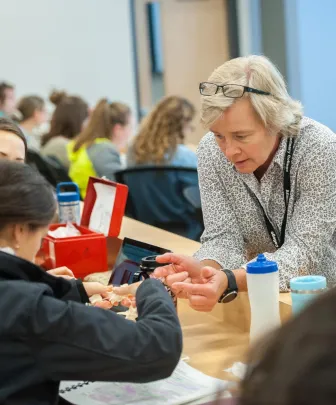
point(185, 385)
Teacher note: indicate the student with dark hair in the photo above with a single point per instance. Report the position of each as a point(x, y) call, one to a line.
point(13, 144)
point(68, 120)
point(96, 150)
point(33, 114)
point(44, 339)
point(7, 99)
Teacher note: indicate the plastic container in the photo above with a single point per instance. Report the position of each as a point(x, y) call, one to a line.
point(68, 203)
point(87, 253)
point(263, 291)
point(305, 289)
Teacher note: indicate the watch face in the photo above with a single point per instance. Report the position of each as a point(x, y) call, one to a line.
point(229, 297)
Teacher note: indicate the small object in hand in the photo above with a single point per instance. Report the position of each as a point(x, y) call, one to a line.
point(111, 299)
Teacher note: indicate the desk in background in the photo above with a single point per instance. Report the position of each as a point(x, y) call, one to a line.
point(215, 340)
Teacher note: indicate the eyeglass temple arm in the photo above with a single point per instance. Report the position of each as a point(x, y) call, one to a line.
point(256, 91)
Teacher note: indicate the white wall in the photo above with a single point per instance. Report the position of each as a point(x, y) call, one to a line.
point(83, 46)
point(311, 33)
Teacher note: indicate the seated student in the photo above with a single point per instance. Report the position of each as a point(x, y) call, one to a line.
point(161, 137)
point(33, 113)
point(96, 151)
point(296, 365)
point(13, 146)
point(68, 120)
point(7, 99)
point(43, 339)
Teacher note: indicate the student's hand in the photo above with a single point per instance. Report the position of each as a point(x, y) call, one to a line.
point(127, 289)
point(92, 287)
point(63, 272)
point(203, 296)
point(180, 269)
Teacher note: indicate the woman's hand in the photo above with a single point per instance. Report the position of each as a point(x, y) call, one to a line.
point(204, 295)
point(180, 269)
point(92, 287)
point(63, 272)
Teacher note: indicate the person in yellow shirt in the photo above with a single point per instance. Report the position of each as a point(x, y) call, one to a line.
point(96, 150)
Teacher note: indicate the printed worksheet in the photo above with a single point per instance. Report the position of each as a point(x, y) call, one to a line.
point(184, 385)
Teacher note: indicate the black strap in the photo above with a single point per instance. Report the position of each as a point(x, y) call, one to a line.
point(278, 242)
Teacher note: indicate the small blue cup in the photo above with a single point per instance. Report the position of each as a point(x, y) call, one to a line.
point(304, 289)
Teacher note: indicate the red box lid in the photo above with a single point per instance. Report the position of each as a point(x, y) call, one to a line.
point(104, 206)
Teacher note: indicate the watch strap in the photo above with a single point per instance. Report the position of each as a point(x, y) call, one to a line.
point(232, 290)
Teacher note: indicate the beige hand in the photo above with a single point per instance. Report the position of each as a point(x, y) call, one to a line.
point(127, 289)
point(63, 272)
point(92, 287)
point(203, 296)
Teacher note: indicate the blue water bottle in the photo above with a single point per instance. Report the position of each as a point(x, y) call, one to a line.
point(304, 289)
point(68, 203)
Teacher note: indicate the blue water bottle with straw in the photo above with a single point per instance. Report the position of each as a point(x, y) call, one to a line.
point(304, 289)
point(68, 202)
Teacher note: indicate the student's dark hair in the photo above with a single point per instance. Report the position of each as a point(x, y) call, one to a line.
point(7, 125)
point(68, 117)
point(3, 87)
point(25, 196)
point(296, 365)
point(103, 119)
point(28, 105)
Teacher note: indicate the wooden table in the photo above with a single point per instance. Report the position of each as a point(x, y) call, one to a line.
point(213, 341)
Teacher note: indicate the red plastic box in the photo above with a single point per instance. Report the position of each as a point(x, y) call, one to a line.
point(87, 253)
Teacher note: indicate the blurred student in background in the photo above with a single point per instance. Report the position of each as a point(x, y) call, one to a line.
point(96, 151)
point(7, 99)
point(13, 144)
point(33, 114)
point(161, 137)
point(68, 120)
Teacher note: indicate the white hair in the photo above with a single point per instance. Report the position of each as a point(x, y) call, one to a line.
point(278, 111)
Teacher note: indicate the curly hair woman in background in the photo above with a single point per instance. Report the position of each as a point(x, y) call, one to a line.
point(160, 140)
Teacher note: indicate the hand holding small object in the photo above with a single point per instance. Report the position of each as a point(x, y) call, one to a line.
point(93, 287)
point(179, 268)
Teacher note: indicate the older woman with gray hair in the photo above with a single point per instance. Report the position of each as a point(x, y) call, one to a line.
point(268, 185)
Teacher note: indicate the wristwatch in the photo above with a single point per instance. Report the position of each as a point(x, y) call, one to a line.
point(232, 291)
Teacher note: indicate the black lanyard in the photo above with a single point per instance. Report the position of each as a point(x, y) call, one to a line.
point(287, 188)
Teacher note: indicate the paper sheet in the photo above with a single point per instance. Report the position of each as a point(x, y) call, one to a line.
point(238, 369)
point(65, 231)
point(185, 385)
point(103, 207)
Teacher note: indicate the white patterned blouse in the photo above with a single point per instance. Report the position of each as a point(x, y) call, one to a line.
point(235, 229)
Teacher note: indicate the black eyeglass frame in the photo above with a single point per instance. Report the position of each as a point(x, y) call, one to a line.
point(222, 86)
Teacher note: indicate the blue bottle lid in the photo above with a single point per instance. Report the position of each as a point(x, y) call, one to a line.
point(261, 266)
point(67, 196)
point(308, 283)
